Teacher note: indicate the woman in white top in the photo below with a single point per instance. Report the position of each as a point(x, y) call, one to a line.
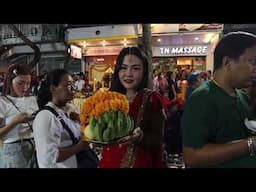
point(16, 110)
point(53, 143)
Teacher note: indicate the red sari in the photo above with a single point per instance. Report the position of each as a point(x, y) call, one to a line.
point(148, 155)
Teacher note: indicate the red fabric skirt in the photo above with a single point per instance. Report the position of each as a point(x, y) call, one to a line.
point(145, 158)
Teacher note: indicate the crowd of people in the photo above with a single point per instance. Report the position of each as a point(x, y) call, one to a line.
point(206, 118)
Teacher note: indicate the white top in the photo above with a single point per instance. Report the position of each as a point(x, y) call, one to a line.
point(155, 84)
point(50, 135)
point(79, 84)
point(8, 111)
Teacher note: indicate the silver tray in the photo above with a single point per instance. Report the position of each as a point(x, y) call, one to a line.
point(113, 142)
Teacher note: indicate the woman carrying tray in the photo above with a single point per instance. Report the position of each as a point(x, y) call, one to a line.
point(142, 149)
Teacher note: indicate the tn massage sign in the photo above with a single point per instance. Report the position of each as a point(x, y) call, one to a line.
point(180, 50)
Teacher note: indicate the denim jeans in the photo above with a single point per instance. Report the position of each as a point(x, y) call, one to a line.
point(1, 158)
point(17, 155)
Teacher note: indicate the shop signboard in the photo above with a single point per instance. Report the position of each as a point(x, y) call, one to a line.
point(75, 51)
point(186, 50)
point(99, 51)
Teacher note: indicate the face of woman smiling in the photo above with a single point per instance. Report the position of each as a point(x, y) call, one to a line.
point(131, 72)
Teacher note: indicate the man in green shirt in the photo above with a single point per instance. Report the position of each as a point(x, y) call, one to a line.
point(214, 133)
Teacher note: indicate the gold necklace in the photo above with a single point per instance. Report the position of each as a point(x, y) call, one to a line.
point(214, 81)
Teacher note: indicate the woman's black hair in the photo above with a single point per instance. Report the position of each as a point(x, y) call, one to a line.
point(13, 71)
point(54, 78)
point(116, 85)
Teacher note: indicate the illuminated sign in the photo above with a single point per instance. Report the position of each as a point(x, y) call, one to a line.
point(100, 59)
point(99, 51)
point(180, 50)
point(75, 51)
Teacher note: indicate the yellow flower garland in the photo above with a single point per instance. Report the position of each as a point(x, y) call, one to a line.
point(100, 102)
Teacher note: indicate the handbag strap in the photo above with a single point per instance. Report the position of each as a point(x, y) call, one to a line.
point(30, 126)
point(131, 151)
point(64, 125)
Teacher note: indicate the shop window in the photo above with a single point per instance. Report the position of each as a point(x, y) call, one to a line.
point(184, 61)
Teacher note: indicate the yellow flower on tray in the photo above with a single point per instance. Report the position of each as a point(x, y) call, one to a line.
point(104, 116)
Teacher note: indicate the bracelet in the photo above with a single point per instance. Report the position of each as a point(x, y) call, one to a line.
point(251, 143)
point(254, 145)
point(138, 134)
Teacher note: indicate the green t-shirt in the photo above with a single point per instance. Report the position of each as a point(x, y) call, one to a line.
point(213, 116)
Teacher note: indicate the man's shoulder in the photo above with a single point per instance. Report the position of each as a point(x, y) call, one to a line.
point(204, 90)
point(241, 93)
point(205, 95)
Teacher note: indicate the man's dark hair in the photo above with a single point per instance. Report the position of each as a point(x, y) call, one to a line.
point(233, 45)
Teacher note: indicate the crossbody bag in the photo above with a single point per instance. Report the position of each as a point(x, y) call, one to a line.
point(85, 159)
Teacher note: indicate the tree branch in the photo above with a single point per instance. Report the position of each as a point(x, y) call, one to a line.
point(37, 53)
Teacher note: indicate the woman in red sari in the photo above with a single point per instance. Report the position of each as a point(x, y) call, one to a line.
point(143, 149)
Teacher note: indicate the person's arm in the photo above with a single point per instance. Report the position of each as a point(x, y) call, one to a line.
point(174, 91)
point(19, 118)
point(151, 132)
point(214, 153)
point(65, 153)
point(72, 111)
point(47, 137)
point(74, 116)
